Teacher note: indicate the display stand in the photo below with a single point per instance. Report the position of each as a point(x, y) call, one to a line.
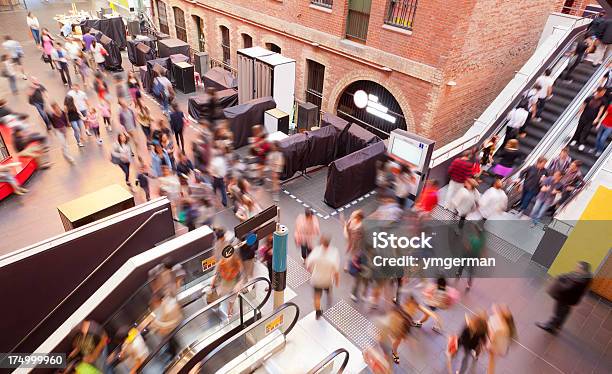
point(94, 206)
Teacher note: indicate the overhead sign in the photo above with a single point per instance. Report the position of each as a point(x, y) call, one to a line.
point(208, 263)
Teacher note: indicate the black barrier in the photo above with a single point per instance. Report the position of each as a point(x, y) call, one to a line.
point(242, 229)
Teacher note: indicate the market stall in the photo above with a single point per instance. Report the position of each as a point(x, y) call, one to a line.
point(243, 117)
point(219, 79)
point(198, 106)
point(353, 175)
point(132, 49)
point(112, 27)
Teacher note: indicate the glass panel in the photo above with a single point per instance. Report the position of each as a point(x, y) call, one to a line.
point(206, 325)
point(163, 18)
point(179, 23)
point(323, 3)
point(225, 44)
point(136, 308)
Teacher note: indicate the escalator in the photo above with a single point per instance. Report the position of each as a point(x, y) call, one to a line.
point(564, 93)
point(246, 351)
point(203, 330)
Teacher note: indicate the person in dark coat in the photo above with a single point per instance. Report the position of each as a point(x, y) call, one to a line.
point(567, 290)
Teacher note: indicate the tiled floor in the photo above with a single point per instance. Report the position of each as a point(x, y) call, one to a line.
point(584, 346)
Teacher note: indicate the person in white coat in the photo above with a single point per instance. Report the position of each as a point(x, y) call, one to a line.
point(494, 201)
point(465, 200)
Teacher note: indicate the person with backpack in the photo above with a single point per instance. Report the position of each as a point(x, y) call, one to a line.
point(98, 52)
point(162, 89)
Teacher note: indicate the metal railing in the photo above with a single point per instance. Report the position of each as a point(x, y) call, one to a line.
point(357, 25)
point(323, 3)
point(401, 13)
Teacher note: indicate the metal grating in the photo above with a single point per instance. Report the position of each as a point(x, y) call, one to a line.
point(297, 275)
point(442, 214)
point(352, 324)
point(503, 248)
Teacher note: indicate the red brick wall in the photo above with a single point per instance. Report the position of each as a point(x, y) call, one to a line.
point(476, 43)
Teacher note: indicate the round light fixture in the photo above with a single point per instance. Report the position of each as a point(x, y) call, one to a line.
point(360, 98)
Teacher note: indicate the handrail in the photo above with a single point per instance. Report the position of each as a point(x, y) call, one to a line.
point(329, 359)
point(562, 47)
point(208, 307)
point(154, 214)
point(255, 325)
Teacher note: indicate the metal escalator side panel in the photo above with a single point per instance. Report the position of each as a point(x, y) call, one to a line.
point(214, 334)
point(324, 364)
point(284, 318)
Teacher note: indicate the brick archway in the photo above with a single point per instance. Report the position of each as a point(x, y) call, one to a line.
point(357, 75)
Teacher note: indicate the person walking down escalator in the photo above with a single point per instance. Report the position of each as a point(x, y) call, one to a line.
point(561, 162)
point(571, 180)
point(577, 57)
point(549, 193)
point(89, 348)
point(507, 157)
point(229, 278)
point(591, 112)
point(517, 119)
point(545, 82)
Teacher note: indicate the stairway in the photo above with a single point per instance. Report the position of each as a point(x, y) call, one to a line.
point(563, 94)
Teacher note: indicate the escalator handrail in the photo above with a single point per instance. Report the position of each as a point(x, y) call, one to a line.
point(560, 52)
point(253, 326)
point(217, 302)
point(129, 299)
point(568, 115)
point(329, 358)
